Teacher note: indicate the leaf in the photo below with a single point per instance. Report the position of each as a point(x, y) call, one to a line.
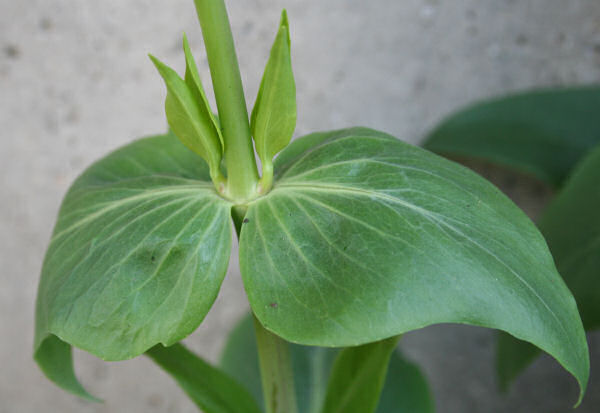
point(56, 361)
point(364, 237)
point(543, 133)
point(192, 80)
point(571, 225)
point(209, 388)
point(512, 357)
point(137, 256)
point(188, 118)
point(357, 377)
point(274, 115)
point(405, 389)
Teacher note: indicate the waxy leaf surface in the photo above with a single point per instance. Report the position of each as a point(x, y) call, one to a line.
point(571, 225)
point(405, 389)
point(137, 256)
point(274, 115)
point(209, 387)
point(364, 237)
point(543, 133)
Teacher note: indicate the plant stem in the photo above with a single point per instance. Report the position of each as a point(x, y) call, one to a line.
point(273, 353)
point(276, 371)
point(242, 174)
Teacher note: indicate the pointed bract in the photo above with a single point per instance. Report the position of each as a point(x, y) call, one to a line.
point(190, 123)
point(273, 118)
point(192, 79)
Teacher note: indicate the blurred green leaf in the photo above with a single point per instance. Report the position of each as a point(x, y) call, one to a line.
point(571, 225)
point(406, 390)
point(357, 377)
point(542, 133)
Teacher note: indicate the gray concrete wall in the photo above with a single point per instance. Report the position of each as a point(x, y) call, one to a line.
point(75, 83)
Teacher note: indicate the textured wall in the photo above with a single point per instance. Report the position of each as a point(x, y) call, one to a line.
point(75, 83)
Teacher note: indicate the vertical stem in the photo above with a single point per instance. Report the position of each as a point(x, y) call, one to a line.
point(242, 177)
point(242, 174)
point(276, 371)
point(273, 354)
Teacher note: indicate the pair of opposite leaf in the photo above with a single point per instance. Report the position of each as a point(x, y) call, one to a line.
point(273, 118)
point(363, 237)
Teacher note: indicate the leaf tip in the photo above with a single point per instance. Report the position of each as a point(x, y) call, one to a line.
point(54, 358)
point(582, 388)
point(159, 65)
point(284, 19)
point(186, 45)
point(285, 25)
point(165, 71)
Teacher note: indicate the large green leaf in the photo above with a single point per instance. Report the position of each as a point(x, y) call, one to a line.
point(405, 389)
point(137, 256)
point(543, 133)
point(571, 225)
point(210, 388)
point(274, 115)
point(357, 377)
point(364, 237)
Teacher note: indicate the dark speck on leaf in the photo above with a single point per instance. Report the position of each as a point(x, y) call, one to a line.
point(246, 220)
point(152, 258)
point(273, 305)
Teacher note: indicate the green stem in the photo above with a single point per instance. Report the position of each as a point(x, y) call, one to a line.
point(273, 353)
point(242, 174)
point(276, 371)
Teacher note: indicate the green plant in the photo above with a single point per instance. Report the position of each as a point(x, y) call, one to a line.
point(349, 238)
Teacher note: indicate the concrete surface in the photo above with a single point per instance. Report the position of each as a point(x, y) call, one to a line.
point(75, 83)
